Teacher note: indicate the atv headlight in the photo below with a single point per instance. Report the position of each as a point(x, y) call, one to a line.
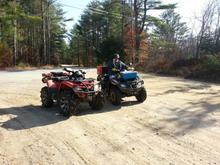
point(139, 85)
point(123, 85)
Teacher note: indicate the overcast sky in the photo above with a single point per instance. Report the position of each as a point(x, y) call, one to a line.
point(188, 9)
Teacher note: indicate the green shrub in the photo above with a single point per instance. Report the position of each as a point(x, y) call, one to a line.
point(5, 55)
point(211, 65)
point(22, 65)
point(210, 68)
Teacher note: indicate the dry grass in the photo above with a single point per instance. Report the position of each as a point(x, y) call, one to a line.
point(26, 68)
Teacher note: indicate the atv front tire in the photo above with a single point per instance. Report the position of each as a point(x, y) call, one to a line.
point(115, 96)
point(142, 95)
point(46, 97)
point(68, 104)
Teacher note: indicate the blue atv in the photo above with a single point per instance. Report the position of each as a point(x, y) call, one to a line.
point(123, 84)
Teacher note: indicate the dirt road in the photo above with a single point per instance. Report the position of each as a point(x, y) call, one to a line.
point(178, 124)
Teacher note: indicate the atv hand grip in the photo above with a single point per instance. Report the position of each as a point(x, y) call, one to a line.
point(115, 70)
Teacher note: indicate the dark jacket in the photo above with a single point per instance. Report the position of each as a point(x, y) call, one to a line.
point(117, 65)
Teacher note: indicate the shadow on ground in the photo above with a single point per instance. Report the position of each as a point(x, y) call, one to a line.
point(185, 88)
point(200, 114)
point(30, 116)
point(18, 118)
point(196, 115)
point(86, 110)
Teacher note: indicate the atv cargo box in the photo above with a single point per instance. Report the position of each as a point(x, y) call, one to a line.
point(128, 75)
point(101, 70)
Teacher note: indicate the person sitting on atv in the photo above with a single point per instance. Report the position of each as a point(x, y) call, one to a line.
point(116, 65)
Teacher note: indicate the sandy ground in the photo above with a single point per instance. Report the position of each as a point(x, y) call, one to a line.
point(178, 124)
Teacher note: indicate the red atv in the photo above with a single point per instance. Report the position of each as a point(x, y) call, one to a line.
point(68, 89)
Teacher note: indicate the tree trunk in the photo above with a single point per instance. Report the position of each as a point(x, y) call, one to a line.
point(136, 35)
point(122, 20)
point(44, 32)
point(48, 33)
point(15, 36)
point(78, 53)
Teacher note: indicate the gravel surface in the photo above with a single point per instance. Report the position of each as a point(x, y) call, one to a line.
point(178, 124)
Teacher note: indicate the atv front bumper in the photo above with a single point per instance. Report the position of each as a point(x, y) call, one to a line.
point(130, 91)
point(132, 88)
point(88, 96)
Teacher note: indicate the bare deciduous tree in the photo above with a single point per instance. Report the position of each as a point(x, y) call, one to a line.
point(206, 25)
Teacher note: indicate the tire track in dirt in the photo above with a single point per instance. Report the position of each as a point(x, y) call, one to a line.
point(41, 136)
point(169, 138)
point(142, 147)
point(50, 139)
point(111, 142)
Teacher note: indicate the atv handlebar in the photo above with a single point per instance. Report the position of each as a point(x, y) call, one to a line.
point(62, 76)
point(68, 70)
point(115, 70)
point(130, 69)
point(50, 76)
point(118, 71)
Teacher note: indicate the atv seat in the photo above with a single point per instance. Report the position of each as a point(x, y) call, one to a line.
point(85, 80)
point(57, 74)
point(62, 78)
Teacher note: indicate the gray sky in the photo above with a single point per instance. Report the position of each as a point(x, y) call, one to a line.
point(188, 9)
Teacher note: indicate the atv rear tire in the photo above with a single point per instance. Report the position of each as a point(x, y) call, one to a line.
point(68, 103)
point(97, 102)
point(46, 97)
point(142, 95)
point(115, 96)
